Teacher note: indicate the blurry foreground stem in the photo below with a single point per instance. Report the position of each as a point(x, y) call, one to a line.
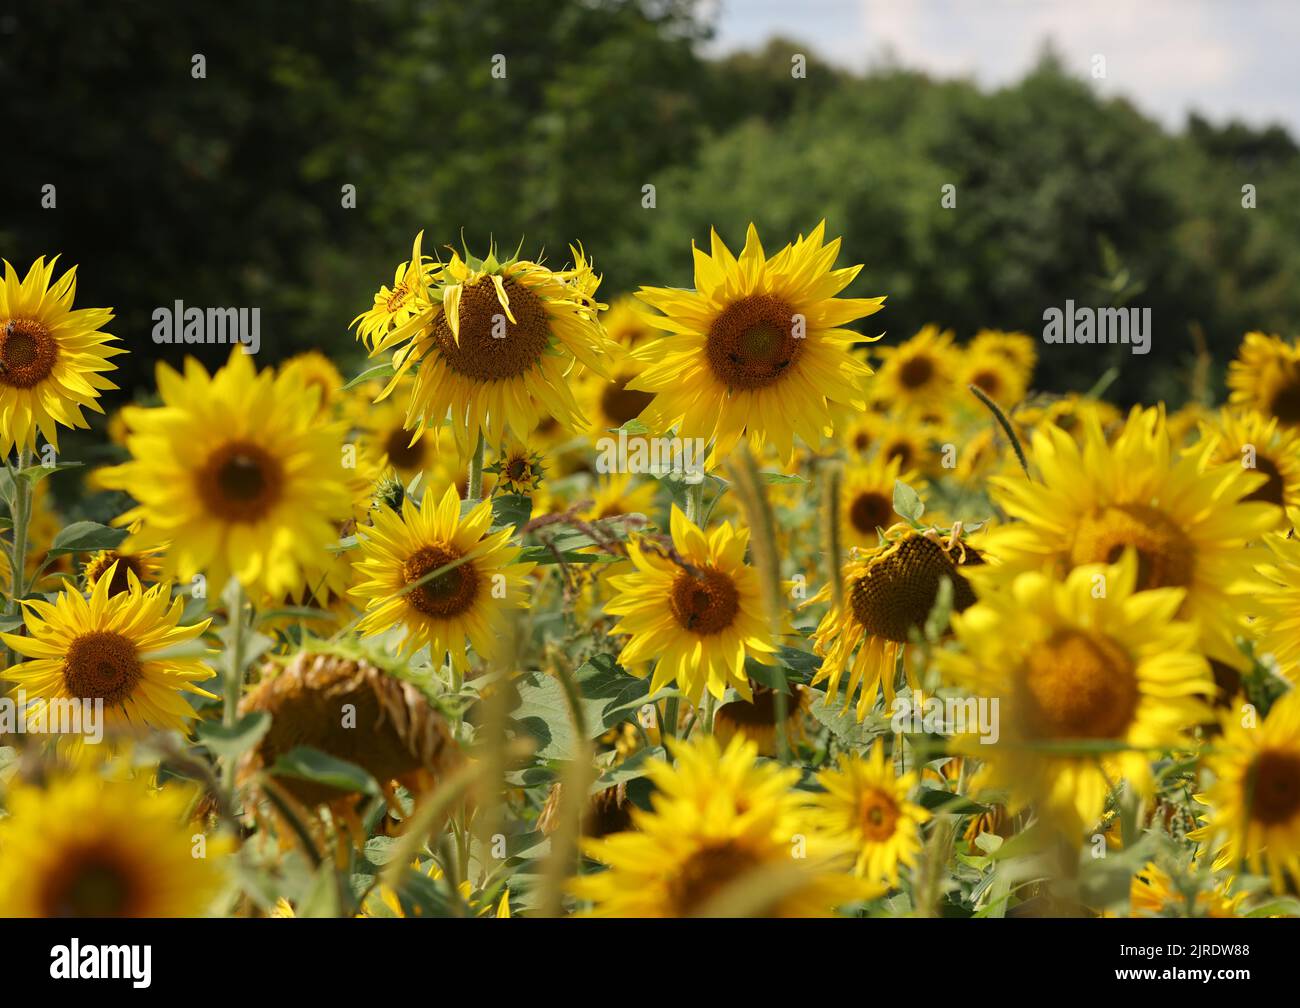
point(22, 513)
point(475, 488)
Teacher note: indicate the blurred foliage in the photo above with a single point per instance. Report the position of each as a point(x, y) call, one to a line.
point(227, 190)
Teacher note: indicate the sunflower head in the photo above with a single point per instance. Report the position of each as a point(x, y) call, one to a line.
point(52, 357)
point(517, 467)
point(1265, 377)
point(918, 375)
point(120, 568)
point(1256, 442)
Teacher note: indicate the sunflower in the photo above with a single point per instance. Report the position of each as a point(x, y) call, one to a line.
point(384, 439)
point(1277, 609)
point(317, 372)
point(1109, 669)
point(721, 840)
point(994, 374)
point(385, 901)
point(1071, 413)
point(1254, 802)
point(1155, 893)
point(865, 802)
point(758, 348)
point(234, 475)
point(1265, 377)
point(1016, 347)
point(468, 602)
point(912, 442)
point(697, 617)
point(867, 499)
point(83, 846)
point(104, 650)
point(51, 357)
point(495, 342)
point(757, 719)
point(916, 377)
point(518, 468)
point(394, 307)
point(889, 592)
point(144, 566)
point(620, 494)
point(625, 324)
point(1254, 441)
point(1189, 522)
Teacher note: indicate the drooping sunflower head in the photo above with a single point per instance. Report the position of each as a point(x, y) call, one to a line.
point(110, 648)
point(1254, 803)
point(1256, 442)
point(1086, 660)
point(52, 357)
point(889, 592)
point(234, 475)
point(867, 804)
point(83, 846)
point(1188, 522)
point(349, 704)
point(698, 615)
point(442, 580)
point(494, 347)
point(719, 843)
point(1265, 377)
point(759, 348)
point(917, 375)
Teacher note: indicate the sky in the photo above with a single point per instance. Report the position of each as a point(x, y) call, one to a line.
point(1226, 59)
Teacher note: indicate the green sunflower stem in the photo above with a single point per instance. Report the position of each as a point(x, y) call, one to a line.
point(475, 488)
point(695, 503)
point(22, 516)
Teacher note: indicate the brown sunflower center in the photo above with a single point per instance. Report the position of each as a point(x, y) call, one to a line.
point(871, 510)
point(401, 453)
point(491, 347)
point(901, 449)
point(101, 665)
point(706, 874)
point(1285, 404)
point(620, 403)
point(899, 588)
point(1166, 557)
point(27, 353)
point(988, 382)
point(916, 372)
point(877, 815)
point(241, 482)
point(752, 343)
point(861, 441)
point(1078, 686)
point(87, 884)
point(125, 565)
point(1275, 798)
point(450, 593)
point(1274, 489)
point(706, 604)
point(517, 469)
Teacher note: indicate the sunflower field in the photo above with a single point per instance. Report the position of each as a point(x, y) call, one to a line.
point(709, 601)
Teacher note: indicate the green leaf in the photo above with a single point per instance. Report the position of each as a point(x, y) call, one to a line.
point(86, 537)
point(306, 763)
point(844, 725)
point(295, 613)
point(511, 509)
point(34, 474)
point(781, 479)
point(234, 740)
point(937, 798)
point(907, 502)
point(370, 374)
point(608, 696)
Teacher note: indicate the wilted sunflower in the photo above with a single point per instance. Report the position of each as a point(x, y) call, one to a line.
point(698, 619)
point(51, 357)
point(468, 602)
point(341, 701)
point(1189, 523)
point(916, 377)
point(1254, 802)
point(144, 566)
point(1090, 660)
point(495, 342)
point(759, 348)
point(1265, 377)
point(889, 592)
point(235, 476)
point(1254, 441)
point(102, 649)
point(867, 803)
point(721, 841)
point(867, 499)
point(83, 846)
